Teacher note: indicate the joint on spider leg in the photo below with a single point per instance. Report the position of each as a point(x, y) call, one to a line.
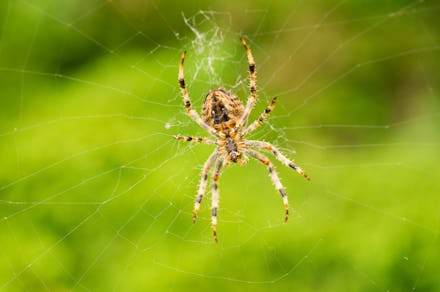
point(214, 223)
point(182, 57)
point(214, 231)
point(196, 210)
point(253, 89)
point(188, 106)
point(286, 203)
point(252, 68)
point(299, 170)
point(181, 138)
point(182, 83)
point(181, 79)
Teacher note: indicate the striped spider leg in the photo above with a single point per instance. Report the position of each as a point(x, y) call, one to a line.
point(242, 121)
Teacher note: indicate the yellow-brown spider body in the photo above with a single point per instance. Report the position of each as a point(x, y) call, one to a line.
point(221, 110)
point(225, 118)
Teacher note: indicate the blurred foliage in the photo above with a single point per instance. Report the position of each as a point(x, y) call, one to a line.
point(96, 195)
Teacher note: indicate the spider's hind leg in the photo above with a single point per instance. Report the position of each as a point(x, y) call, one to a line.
point(274, 176)
point(203, 182)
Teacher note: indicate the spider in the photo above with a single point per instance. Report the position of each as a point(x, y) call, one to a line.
point(225, 118)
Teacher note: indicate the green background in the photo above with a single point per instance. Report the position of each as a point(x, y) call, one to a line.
point(95, 194)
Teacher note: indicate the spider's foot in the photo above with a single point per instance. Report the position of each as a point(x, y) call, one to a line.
point(304, 175)
point(299, 170)
point(194, 216)
point(214, 231)
point(182, 57)
point(286, 204)
point(196, 208)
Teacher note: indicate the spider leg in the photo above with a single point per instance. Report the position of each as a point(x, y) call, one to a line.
point(284, 160)
point(274, 176)
point(191, 112)
point(215, 196)
point(202, 185)
point(261, 119)
point(195, 139)
point(252, 86)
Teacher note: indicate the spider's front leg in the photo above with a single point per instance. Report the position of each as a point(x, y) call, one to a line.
point(252, 87)
point(191, 112)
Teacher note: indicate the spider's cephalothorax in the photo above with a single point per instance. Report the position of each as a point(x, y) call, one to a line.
point(225, 117)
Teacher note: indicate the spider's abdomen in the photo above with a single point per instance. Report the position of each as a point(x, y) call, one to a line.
point(221, 109)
